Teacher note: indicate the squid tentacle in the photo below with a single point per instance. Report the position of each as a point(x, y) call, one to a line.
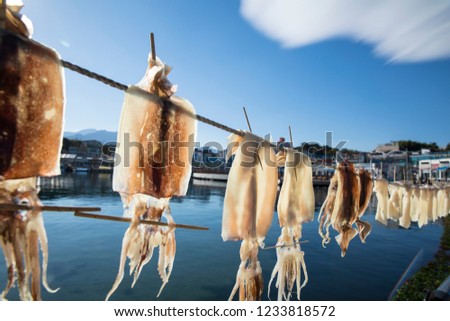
point(249, 276)
point(123, 258)
point(9, 258)
point(289, 266)
point(43, 241)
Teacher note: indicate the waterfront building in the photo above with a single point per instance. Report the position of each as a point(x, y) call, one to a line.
point(438, 169)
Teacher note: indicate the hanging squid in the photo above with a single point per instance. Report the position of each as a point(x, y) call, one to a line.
point(443, 197)
point(326, 211)
point(366, 187)
point(381, 191)
point(344, 191)
point(406, 199)
point(31, 130)
point(248, 208)
point(295, 207)
point(394, 202)
point(21, 232)
point(31, 103)
point(434, 204)
point(155, 144)
point(415, 199)
point(441, 202)
point(430, 196)
point(447, 200)
point(423, 206)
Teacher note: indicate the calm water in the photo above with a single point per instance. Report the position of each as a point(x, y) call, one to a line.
point(84, 253)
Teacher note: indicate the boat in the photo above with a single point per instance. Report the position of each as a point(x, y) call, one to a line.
point(210, 176)
point(81, 169)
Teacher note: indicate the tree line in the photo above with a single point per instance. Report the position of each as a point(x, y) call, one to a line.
point(414, 146)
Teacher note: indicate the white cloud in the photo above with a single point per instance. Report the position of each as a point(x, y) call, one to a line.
point(399, 30)
point(65, 43)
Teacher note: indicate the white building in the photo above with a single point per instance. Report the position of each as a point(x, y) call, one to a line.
point(386, 148)
point(436, 168)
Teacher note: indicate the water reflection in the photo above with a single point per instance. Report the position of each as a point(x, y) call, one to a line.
point(85, 184)
point(76, 184)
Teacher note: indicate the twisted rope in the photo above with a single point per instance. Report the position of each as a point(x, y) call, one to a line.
point(117, 85)
point(93, 75)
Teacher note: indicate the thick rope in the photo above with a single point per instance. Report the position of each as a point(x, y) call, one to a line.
point(93, 75)
point(123, 87)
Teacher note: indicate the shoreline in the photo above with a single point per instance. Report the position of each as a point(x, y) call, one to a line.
point(431, 276)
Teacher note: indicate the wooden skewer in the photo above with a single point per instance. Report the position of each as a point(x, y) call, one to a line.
point(248, 121)
point(250, 129)
point(290, 136)
point(47, 208)
point(292, 146)
point(128, 220)
point(152, 44)
point(285, 245)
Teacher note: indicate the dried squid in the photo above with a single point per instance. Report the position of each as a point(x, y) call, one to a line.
point(295, 207)
point(443, 198)
point(415, 199)
point(397, 202)
point(381, 189)
point(434, 204)
point(407, 204)
point(405, 209)
point(31, 103)
point(394, 202)
point(248, 208)
point(424, 208)
point(21, 232)
point(155, 143)
point(31, 127)
point(366, 187)
point(446, 206)
point(344, 193)
point(441, 202)
point(326, 210)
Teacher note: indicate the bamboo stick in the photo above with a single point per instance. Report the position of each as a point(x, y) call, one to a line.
point(47, 208)
point(248, 121)
point(292, 146)
point(128, 220)
point(250, 129)
point(152, 44)
point(285, 245)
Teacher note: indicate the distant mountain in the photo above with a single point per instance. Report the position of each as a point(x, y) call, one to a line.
point(103, 136)
point(81, 132)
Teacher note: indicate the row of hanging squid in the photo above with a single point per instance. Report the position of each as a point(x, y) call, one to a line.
point(250, 198)
point(248, 211)
point(405, 203)
point(165, 126)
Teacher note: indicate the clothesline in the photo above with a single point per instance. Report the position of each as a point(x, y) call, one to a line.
point(117, 85)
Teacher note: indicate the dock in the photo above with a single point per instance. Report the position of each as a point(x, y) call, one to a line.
point(223, 177)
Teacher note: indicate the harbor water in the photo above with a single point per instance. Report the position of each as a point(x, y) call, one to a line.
point(84, 253)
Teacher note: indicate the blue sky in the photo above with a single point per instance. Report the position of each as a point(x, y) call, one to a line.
point(224, 57)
